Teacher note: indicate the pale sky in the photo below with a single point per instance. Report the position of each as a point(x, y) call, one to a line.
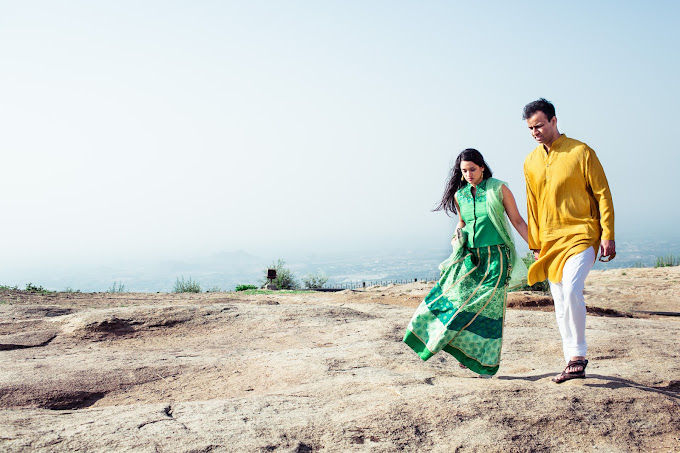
point(157, 129)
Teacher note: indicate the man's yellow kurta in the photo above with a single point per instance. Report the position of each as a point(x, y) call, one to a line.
point(569, 205)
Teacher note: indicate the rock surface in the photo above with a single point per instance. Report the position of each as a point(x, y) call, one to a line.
point(304, 372)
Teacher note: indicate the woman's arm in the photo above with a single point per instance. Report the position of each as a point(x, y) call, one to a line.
point(513, 214)
point(460, 224)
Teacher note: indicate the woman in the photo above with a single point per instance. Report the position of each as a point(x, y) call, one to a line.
point(464, 313)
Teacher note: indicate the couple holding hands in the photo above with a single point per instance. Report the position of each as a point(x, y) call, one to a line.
point(570, 215)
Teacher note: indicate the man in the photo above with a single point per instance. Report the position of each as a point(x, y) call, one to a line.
point(570, 214)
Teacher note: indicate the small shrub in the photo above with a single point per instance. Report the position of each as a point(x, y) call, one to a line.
point(251, 292)
point(116, 288)
point(188, 286)
point(314, 281)
point(214, 289)
point(667, 261)
point(285, 278)
point(9, 288)
point(31, 288)
point(245, 287)
point(638, 263)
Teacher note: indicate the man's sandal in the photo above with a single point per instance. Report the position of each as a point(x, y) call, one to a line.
point(580, 365)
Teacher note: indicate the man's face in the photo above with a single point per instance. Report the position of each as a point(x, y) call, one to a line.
point(544, 131)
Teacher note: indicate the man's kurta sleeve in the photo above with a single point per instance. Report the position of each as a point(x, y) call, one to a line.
point(600, 187)
point(532, 214)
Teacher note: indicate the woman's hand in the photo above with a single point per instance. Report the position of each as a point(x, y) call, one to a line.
point(459, 227)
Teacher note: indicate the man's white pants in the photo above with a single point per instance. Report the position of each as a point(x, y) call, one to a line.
point(570, 305)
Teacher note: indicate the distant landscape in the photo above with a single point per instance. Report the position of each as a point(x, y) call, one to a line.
point(224, 271)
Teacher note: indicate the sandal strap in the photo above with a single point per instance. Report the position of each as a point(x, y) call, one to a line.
point(576, 363)
point(566, 375)
point(582, 362)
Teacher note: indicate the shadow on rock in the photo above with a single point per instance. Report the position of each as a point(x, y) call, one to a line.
point(72, 400)
point(672, 389)
point(538, 377)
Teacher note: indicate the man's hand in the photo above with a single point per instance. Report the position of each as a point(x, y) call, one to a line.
point(537, 253)
point(607, 247)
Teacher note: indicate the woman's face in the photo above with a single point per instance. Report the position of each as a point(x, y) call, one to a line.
point(471, 172)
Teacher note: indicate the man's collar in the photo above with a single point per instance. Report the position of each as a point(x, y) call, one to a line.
point(555, 144)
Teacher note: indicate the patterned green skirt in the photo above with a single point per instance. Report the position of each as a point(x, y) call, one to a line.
point(464, 313)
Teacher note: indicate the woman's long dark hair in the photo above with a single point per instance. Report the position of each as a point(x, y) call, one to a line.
point(456, 180)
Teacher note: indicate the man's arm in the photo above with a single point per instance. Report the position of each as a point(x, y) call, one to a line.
point(532, 216)
point(603, 197)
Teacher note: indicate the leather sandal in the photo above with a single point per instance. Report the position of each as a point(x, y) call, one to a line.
point(565, 375)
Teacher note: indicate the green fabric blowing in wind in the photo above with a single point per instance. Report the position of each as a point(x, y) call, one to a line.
point(464, 313)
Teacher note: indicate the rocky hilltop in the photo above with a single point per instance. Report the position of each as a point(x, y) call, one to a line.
point(306, 372)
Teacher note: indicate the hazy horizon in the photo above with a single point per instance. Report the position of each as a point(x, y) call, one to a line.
point(225, 270)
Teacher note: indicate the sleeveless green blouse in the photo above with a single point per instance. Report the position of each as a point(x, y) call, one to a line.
point(480, 231)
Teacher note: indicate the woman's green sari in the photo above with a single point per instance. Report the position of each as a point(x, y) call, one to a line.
point(463, 314)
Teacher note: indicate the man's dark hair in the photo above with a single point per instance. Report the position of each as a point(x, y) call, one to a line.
point(541, 105)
